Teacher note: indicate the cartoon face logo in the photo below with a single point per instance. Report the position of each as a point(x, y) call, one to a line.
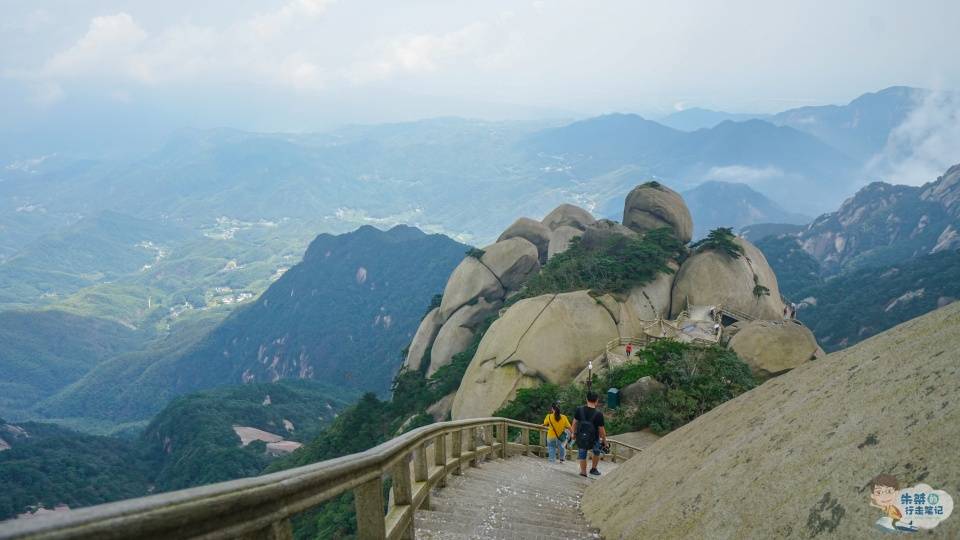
point(884, 491)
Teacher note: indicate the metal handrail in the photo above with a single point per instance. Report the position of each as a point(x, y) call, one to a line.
point(261, 506)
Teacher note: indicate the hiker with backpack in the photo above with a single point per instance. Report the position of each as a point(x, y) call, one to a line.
point(589, 433)
point(557, 433)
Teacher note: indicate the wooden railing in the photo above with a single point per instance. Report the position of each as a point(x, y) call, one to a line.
point(619, 342)
point(261, 507)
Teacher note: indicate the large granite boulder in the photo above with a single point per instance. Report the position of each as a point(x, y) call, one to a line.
point(569, 215)
point(457, 333)
point(560, 239)
point(803, 447)
point(635, 392)
point(548, 338)
point(772, 348)
point(531, 230)
point(652, 206)
point(470, 280)
point(712, 278)
point(598, 232)
point(512, 261)
point(426, 333)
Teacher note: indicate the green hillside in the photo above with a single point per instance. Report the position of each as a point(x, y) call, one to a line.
point(339, 316)
point(190, 443)
point(41, 352)
point(854, 306)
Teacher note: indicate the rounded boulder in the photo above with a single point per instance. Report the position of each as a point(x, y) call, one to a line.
point(568, 215)
point(772, 348)
point(512, 260)
point(652, 206)
point(712, 278)
point(426, 333)
point(549, 338)
point(470, 280)
point(532, 231)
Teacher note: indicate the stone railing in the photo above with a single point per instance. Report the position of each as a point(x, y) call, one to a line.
point(261, 507)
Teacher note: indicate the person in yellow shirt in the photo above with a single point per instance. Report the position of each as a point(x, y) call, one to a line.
point(558, 431)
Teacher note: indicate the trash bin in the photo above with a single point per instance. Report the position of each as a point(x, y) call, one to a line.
point(613, 398)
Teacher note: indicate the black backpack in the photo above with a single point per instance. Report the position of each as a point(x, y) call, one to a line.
point(586, 433)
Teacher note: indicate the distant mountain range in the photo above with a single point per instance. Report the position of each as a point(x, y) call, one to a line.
point(724, 204)
point(888, 254)
point(696, 118)
point(343, 315)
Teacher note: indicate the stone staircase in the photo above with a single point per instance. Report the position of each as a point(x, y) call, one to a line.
point(520, 498)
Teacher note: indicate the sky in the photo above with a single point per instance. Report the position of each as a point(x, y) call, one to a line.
point(305, 65)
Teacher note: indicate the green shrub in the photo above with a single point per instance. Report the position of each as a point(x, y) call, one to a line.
point(720, 239)
point(618, 265)
point(476, 253)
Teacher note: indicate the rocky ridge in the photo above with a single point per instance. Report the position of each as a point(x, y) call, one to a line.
point(551, 337)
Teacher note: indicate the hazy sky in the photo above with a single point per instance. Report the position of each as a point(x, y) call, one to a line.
point(303, 64)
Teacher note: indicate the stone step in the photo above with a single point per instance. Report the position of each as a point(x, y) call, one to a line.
point(570, 521)
point(450, 523)
point(485, 498)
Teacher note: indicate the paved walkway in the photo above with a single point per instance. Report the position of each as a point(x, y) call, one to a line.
point(518, 498)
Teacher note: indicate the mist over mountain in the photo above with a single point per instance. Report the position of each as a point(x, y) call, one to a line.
point(723, 204)
point(696, 118)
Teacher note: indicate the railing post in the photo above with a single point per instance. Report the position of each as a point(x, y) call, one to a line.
point(402, 492)
point(368, 503)
point(613, 452)
point(472, 445)
point(503, 440)
point(421, 472)
point(457, 450)
point(440, 458)
point(525, 441)
point(543, 451)
point(488, 435)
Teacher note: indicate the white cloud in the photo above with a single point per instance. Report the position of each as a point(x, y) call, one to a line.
point(421, 53)
point(925, 145)
point(116, 50)
point(743, 173)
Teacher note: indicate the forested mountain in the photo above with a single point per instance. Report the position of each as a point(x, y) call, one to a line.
point(191, 442)
point(341, 316)
point(44, 351)
point(888, 254)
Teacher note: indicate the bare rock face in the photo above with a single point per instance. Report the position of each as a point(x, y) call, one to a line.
point(560, 239)
point(532, 231)
point(599, 232)
point(548, 338)
point(457, 333)
point(512, 261)
point(568, 215)
point(426, 333)
point(772, 348)
point(810, 441)
point(711, 278)
point(634, 393)
point(470, 280)
point(652, 206)
point(441, 409)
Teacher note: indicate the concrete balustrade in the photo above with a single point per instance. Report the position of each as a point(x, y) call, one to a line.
point(260, 508)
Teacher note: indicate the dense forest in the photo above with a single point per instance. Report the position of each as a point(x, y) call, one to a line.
point(190, 443)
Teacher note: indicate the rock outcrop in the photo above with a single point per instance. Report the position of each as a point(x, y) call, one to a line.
point(426, 333)
point(512, 261)
point(457, 333)
point(772, 348)
point(652, 206)
point(712, 278)
point(569, 215)
point(599, 232)
point(802, 448)
point(470, 280)
point(560, 239)
point(532, 231)
point(543, 339)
